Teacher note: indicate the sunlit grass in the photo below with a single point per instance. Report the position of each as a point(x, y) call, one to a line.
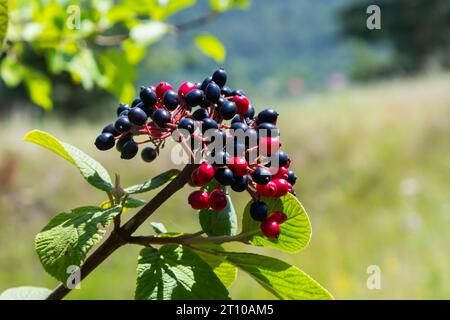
point(373, 165)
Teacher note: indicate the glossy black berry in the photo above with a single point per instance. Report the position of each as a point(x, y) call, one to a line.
point(239, 126)
point(122, 107)
point(137, 116)
point(261, 176)
point(292, 177)
point(200, 114)
point(283, 158)
point(238, 92)
point(240, 183)
point(251, 112)
point(226, 91)
point(161, 117)
point(171, 100)
point(123, 124)
point(267, 129)
point(219, 157)
point(259, 210)
point(124, 113)
point(187, 124)
point(135, 102)
point(205, 83)
point(122, 141)
point(212, 92)
point(220, 77)
point(236, 118)
point(224, 176)
point(148, 154)
point(105, 141)
point(228, 110)
point(208, 124)
point(267, 115)
point(194, 98)
point(148, 96)
point(146, 108)
point(129, 150)
point(110, 129)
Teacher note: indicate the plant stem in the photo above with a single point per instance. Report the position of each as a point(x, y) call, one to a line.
point(120, 236)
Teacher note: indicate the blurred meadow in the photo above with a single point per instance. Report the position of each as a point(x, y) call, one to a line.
point(373, 165)
point(364, 114)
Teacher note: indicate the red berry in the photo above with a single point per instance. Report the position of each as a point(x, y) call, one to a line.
point(282, 173)
point(238, 166)
point(217, 200)
point(205, 172)
point(279, 217)
point(196, 179)
point(268, 145)
point(270, 228)
point(290, 189)
point(267, 190)
point(161, 88)
point(242, 104)
point(185, 88)
point(199, 199)
point(282, 187)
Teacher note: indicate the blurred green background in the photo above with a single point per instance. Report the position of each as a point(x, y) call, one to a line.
point(364, 114)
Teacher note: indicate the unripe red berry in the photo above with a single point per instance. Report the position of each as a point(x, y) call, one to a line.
point(282, 187)
point(161, 88)
point(268, 145)
point(242, 104)
point(199, 199)
point(267, 190)
point(205, 172)
point(217, 200)
point(282, 173)
point(238, 166)
point(279, 217)
point(185, 88)
point(270, 228)
point(196, 181)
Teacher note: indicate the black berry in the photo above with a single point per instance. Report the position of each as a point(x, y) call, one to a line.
point(251, 112)
point(171, 100)
point(212, 92)
point(240, 183)
point(292, 177)
point(220, 77)
point(208, 124)
point(122, 141)
point(200, 114)
point(228, 110)
point(283, 158)
point(129, 150)
point(268, 129)
point(123, 124)
point(110, 129)
point(161, 117)
point(224, 176)
point(238, 92)
point(137, 116)
point(187, 124)
point(148, 154)
point(239, 126)
point(267, 115)
point(261, 176)
point(236, 118)
point(259, 210)
point(205, 83)
point(194, 98)
point(105, 141)
point(226, 91)
point(148, 96)
point(122, 107)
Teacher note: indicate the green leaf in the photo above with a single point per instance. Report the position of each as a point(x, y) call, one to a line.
point(153, 183)
point(39, 88)
point(12, 72)
point(149, 32)
point(211, 46)
point(176, 273)
point(224, 5)
point(68, 237)
point(134, 203)
point(158, 227)
point(224, 270)
point(90, 169)
point(295, 232)
point(25, 293)
point(280, 278)
point(3, 21)
point(219, 223)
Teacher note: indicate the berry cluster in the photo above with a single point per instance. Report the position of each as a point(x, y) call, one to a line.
point(207, 115)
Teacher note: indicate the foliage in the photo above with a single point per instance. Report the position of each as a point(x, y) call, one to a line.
point(186, 266)
point(97, 44)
